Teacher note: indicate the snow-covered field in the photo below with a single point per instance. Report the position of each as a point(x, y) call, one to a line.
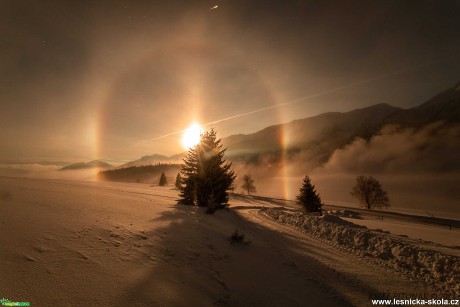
point(78, 243)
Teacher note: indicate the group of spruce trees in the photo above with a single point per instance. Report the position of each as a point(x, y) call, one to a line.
point(205, 179)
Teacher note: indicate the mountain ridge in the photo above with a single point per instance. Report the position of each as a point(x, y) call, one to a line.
point(87, 165)
point(316, 138)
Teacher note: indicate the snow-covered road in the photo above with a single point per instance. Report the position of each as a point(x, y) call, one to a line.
point(356, 279)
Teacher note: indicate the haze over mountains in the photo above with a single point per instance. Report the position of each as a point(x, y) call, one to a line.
point(376, 138)
point(313, 140)
point(87, 165)
point(428, 131)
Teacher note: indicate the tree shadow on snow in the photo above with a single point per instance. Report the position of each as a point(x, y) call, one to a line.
point(190, 262)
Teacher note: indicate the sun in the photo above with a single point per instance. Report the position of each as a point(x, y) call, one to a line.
point(191, 136)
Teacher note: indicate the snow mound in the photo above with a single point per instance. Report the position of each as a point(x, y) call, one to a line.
point(345, 213)
point(440, 270)
point(337, 220)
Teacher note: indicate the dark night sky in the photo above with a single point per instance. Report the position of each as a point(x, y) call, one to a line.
point(98, 79)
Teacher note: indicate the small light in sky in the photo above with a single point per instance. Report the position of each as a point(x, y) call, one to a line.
point(214, 7)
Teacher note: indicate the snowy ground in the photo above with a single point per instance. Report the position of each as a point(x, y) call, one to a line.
point(75, 243)
point(436, 268)
point(440, 234)
point(429, 233)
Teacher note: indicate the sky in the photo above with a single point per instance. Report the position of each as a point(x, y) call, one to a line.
point(84, 80)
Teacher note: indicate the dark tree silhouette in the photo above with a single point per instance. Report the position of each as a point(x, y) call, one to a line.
point(138, 173)
point(163, 180)
point(206, 176)
point(308, 198)
point(178, 183)
point(370, 193)
point(248, 184)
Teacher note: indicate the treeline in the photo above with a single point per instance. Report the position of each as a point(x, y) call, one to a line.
point(143, 174)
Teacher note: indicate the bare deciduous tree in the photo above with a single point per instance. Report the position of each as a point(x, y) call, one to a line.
point(370, 193)
point(248, 184)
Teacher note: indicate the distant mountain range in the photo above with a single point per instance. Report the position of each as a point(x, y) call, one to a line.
point(316, 138)
point(322, 134)
point(442, 107)
point(87, 165)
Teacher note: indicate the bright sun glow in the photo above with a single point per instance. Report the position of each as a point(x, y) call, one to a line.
point(191, 136)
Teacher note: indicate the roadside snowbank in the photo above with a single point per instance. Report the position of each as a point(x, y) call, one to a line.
point(439, 270)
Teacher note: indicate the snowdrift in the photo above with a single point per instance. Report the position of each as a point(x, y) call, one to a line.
point(440, 270)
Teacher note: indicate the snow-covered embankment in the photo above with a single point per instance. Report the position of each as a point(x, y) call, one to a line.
point(437, 269)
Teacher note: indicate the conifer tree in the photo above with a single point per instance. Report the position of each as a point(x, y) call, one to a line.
point(178, 183)
point(163, 180)
point(206, 176)
point(308, 198)
point(189, 176)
